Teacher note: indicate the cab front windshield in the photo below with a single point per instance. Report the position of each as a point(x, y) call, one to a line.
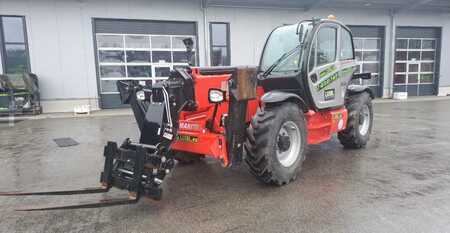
point(283, 40)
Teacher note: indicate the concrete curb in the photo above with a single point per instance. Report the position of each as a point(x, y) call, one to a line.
point(412, 99)
point(99, 113)
point(128, 112)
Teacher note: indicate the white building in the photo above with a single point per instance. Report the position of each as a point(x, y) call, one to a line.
point(78, 48)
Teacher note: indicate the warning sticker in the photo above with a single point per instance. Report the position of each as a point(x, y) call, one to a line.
point(187, 138)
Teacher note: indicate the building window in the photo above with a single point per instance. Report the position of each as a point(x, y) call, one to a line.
point(220, 44)
point(368, 56)
point(13, 45)
point(146, 58)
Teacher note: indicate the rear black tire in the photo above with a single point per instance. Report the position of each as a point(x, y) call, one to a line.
point(262, 143)
point(351, 137)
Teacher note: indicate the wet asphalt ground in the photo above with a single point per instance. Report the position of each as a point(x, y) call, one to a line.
point(399, 183)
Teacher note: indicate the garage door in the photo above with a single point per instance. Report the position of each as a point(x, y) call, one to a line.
point(369, 52)
point(416, 60)
point(137, 50)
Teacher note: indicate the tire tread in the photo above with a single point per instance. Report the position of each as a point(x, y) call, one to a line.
point(350, 137)
point(257, 148)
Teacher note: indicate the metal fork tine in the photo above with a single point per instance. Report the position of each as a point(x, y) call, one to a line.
point(58, 192)
point(83, 205)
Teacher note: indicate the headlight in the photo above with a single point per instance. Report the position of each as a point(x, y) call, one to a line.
point(140, 95)
point(216, 96)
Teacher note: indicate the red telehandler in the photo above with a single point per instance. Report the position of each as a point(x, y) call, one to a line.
point(300, 94)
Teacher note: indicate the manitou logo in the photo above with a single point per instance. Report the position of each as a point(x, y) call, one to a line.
point(189, 126)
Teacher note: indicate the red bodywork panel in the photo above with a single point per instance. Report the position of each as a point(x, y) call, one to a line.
point(195, 137)
point(321, 125)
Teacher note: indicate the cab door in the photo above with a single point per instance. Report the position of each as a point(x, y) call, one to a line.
point(330, 65)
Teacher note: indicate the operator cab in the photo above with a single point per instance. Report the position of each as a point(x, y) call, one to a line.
point(313, 59)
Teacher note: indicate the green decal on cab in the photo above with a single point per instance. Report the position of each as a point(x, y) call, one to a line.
point(15, 94)
point(328, 81)
point(22, 93)
point(332, 77)
point(327, 71)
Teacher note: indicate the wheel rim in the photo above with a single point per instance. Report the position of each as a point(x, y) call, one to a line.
point(288, 144)
point(364, 120)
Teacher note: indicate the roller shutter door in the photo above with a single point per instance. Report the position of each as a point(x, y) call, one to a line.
point(139, 50)
point(369, 51)
point(417, 52)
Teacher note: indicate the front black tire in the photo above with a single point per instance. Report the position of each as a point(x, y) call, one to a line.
point(266, 143)
point(357, 133)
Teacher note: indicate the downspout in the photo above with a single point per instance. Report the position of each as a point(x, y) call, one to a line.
point(390, 77)
point(204, 6)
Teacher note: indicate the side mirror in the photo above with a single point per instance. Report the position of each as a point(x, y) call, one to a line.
point(189, 44)
point(362, 76)
point(124, 88)
point(4, 83)
point(300, 33)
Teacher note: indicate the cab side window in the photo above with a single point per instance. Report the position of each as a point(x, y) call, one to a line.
point(346, 45)
point(312, 57)
point(326, 45)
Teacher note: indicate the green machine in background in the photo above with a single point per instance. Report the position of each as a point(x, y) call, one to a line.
point(19, 94)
